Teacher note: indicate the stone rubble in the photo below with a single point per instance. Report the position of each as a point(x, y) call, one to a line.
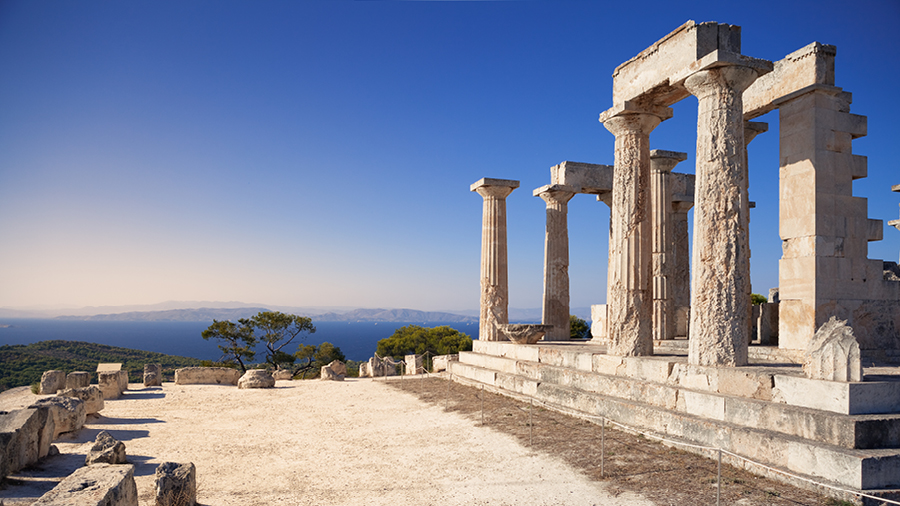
point(256, 378)
point(106, 450)
point(176, 484)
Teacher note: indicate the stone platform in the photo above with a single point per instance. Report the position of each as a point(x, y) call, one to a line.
point(845, 434)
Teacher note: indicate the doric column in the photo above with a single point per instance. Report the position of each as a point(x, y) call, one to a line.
point(556, 260)
point(721, 266)
point(628, 295)
point(681, 267)
point(751, 130)
point(661, 165)
point(494, 277)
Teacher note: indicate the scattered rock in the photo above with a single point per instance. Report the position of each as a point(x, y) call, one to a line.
point(256, 378)
point(52, 381)
point(328, 373)
point(68, 413)
point(833, 353)
point(152, 375)
point(78, 379)
point(106, 450)
point(338, 367)
point(53, 451)
point(282, 375)
point(92, 397)
point(176, 484)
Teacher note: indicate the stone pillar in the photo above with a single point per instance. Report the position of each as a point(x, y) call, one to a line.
point(661, 164)
point(751, 130)
point(494, 277)
point(556, 261)
point(895, 223)
point(628, 297)
point(720, 301)
point(681, 267)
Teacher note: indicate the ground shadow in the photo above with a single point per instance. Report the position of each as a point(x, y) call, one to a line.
point(89, 434)
point(109, 420)
point(139, 394)
point(142, 465)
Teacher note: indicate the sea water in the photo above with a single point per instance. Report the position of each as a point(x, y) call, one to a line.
point(357, 340)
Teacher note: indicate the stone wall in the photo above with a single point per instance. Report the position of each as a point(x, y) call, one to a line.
point(207, 376)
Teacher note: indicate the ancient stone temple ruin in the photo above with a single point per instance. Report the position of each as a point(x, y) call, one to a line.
point(671, 351)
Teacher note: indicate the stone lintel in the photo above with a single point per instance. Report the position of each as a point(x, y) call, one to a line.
point(721, 58)
point(754, 128)
point(826, 88)
point(649, 73)
point(811, 64)
point(554, 188)
point(587, 178)
point(487, 181)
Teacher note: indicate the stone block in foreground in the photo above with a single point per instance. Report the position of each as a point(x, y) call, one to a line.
point(97, 485)
point(207, 376)
point(51, 381)
point(92, 397)
point(68, 413)
point(25, 437)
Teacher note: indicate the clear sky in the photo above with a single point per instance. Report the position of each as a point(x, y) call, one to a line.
point(320, 153)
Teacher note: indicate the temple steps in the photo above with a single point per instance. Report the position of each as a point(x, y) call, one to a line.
point(728, 408)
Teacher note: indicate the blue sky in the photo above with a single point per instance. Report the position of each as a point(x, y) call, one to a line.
point(320, 153)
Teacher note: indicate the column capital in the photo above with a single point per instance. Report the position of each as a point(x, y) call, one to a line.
point(555, 193)
point(494, 188)
point(665, 161)
point(629, 118)
point(704, 83)
point(682, 206)
point(754, 128)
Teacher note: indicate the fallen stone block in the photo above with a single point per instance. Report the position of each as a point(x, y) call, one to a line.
point(25, 437)
point(52, 381)
point(282, 375)
point(442, 362)
point(68, 413)
point(207, 376)
point(92, 397)
point(152, 375)
point(106, 450)
point(109, 384)
point(98, 485)
point(256, 378)
point(78, 379)
point(176, 484)
point(414, 364)
point(123, 381)
point(338, 367)
point(364, 370)
point(327, 373)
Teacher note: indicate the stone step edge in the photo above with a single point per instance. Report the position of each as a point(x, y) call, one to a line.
point(764, 439)
point(677, 390)
point(779, 474)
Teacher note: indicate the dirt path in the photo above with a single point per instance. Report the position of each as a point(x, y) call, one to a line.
point(316, 443)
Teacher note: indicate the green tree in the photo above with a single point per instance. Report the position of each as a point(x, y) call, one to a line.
point(413, 339)
point(578, 328)
point(238, 341)
point(313, 358)
point(276, 330)
point(756, 299)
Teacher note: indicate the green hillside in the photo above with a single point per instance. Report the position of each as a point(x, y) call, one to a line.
point(23, 364)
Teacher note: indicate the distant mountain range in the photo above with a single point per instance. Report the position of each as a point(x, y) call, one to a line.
point(209, 314)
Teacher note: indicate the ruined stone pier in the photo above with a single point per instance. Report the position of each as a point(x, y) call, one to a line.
point(555, 309)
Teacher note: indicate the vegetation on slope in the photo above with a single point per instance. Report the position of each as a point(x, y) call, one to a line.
point(23, 364)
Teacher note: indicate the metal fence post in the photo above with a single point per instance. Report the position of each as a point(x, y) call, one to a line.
point(719, 479)
point(602, 444)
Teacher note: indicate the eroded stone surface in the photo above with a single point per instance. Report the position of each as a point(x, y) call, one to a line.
point(207, 376)
point(152, 375)
point(106, 450)
point(282, 375)
point(555, 310)
point(68, 413)
point(91, 396)
point(97, 485)
point(256, 378)
point(25, 437)
point(176, 484)
point(52, 381)
point(833, 353)
point(109, 384)
point(78, 379)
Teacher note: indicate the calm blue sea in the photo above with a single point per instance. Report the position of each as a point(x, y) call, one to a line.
point(356, 339)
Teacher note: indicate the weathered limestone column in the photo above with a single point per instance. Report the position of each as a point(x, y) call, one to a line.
point(751, 130)
point(681, 267)
point(661, 165)
point(895, 223)
point(630, 309)
point(720, 320)
point(494, 275)
point(556, 261)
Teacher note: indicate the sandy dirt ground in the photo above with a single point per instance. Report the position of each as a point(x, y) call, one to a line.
point(314, 443)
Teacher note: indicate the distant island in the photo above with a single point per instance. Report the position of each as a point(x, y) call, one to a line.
point(209, 314)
